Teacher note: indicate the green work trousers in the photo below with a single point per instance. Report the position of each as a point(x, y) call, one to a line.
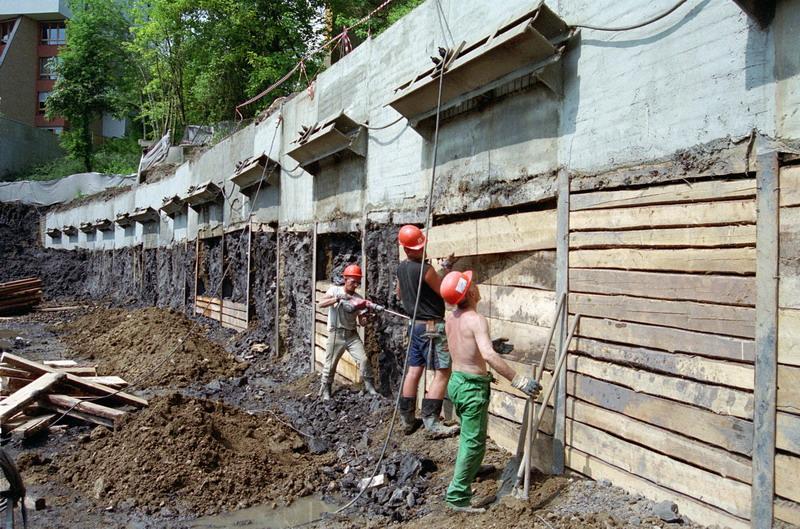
point(470, 397)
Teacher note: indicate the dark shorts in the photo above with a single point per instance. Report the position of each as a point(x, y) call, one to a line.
point(429, 351)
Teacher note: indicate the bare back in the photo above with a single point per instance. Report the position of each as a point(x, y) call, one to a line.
point(470, 346)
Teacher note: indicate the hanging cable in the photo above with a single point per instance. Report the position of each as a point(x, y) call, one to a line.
point(634, 26)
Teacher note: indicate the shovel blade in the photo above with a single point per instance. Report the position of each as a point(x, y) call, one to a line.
point(508, 479)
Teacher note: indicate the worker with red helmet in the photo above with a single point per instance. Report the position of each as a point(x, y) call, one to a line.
point(346, 310)
point(428, 342)
point(469, 386)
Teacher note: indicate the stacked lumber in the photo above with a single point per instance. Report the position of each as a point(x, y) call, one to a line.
point(35, 394)
point(20, 296)
point(661, 375)
point(347, 368)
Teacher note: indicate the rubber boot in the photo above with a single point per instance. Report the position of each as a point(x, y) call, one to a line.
point(431, 409)
point(369, 387)
point(469, 509)
point(406, 411)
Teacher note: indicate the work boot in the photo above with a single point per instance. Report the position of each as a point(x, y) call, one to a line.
point(369, 387)
point(325, 391)
point(431, 409)
point(465, 508)
point(406, 411)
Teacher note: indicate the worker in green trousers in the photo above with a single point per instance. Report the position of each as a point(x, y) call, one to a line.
point(471, 350)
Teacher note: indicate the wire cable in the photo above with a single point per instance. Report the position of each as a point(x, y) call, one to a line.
point(634, 26)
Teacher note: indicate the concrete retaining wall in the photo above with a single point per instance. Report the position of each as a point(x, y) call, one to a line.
point(23, 146)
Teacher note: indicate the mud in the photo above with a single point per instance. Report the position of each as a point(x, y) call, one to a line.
point(209, 269)
point(334, 252)
point(263, 285)
point(386, 335)
point(296, 313)
point(175, 276)
point(149, 347)
point(235, 284)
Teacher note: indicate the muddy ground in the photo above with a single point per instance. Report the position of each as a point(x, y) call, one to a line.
point(235, 434)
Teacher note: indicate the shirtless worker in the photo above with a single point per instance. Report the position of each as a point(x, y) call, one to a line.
point(471, 349)
point(346, 309)
point(428, 343)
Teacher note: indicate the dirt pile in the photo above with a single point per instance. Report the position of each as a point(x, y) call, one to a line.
point(185, 456)
point(143, 346)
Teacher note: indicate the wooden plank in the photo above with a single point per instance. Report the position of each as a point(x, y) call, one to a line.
point(512, 407)
point(728, 432)
point(690, 366)
point(506, 434)
point(632, 482)
point(665, 194)
point(522, 305)
point(501, 384)
point(789, 337)
point(790, 186)
point(90, 412)
point(234, 322)
point(15, 373)
point(516, 269)
point(678, 215)
point(81, 371)
point(702, 260)
point(528, 340)
point(519, 232)
point(788, 432)
point(114, 396)
point(695, 237)
point(233, 313)
point(788, 288)
point(321, 329)
point(788, 389)
point(787, 469)
point(19, 399)
point(60, 363)
point(690, 315)
point(668, 339)
point(113, 381)
point(26, 427)
point(731, 290)
point(210, 301)
point(727, 494)
point(720, 400)
point(676, 446)
point(788, 511)
point(346, 366)
point(765, 480)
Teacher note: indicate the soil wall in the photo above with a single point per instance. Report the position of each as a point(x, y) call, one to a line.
point(296, 312)
point(235, 284)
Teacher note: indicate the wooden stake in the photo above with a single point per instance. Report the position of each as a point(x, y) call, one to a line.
point(766, 358)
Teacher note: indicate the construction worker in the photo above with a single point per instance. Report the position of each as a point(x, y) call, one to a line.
point(428, 342)
point(469, 386)
point(346, 309)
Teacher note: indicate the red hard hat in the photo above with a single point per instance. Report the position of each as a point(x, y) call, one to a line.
point(352, 270)
point(455, 286)
point(411, 237)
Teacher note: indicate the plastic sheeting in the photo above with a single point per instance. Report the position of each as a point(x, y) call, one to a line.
point(63, 190)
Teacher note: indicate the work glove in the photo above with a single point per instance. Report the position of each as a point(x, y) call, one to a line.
point(448, 262)
point(501, 346)
point(527, 385)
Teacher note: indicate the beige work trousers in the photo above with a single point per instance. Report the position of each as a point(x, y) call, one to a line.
point(338, 342)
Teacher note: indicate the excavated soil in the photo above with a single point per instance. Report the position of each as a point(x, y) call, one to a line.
point(145, 347)
point(296, 312)
point(184, 456)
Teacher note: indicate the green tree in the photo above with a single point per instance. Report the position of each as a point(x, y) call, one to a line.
point(94, 73)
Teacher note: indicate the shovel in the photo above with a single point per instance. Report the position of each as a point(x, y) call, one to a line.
point(509, 476)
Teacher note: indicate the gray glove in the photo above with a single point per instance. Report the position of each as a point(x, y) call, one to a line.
point(526, 385)
point(501, 346)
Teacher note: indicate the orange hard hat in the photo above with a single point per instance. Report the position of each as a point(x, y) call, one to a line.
point(411, 237)
point(352, 270)
point(455, 286)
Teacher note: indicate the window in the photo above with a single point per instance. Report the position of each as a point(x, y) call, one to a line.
point(54, 33)
point(42, 99)
point(56, 130)
point(47, 67)
point(6, 27)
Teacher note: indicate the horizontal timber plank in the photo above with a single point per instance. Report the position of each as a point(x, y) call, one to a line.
point(518, 269)
point(788, 511)
point(696, 237)
point(30, 392)
point(505, 434)
point(668, 339)
point(501, 384)
point(678, 215)
point(676, 446)
point(727, 494)
point(693, 260)
point(528, 340)
point(720, 400)
point(665, 194)
point(690, 315)
point(689, 366)
point(512, 407)
point(698, 511)
point(790, 186)
point(732, 290)
point(789, 388)
point(787, 432)
point(727, 432)
point(522, 305)
point(788, 287)
point(535, 230)
point(789, 337)
point(25, 427)
point(787, 470)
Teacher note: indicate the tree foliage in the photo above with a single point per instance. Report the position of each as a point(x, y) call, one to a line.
point(94, 73)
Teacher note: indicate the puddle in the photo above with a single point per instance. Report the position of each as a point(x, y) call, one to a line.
point(301, 511)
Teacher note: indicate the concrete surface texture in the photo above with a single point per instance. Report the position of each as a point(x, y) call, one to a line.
point(22, 146)
point(704, 74)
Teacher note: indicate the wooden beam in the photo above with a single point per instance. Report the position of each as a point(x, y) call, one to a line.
point(30, 392)
point(787, 470)
point(693, 260)
point(26, 427)
point(788, 395)
point(766, 358)
point(679, 215)
point(83, 410)
point(522, 305)
point(536, 269)
point(665, 194)
point(790, 186)
point(789, 336)
point(788, 432)
point(690, 315)
point(729, 290)
point(699, 237)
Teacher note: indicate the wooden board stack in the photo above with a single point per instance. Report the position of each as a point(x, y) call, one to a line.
point(36, 394)
point(20, 296)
